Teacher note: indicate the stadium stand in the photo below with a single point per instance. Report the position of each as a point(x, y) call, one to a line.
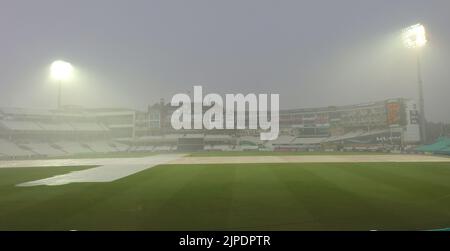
point(348, 135)
point(73, 147)
point(44, 149)
point(55, 126)
point(12, 150)
point(308, 141)
point(119, 147)
point(101, 147)
point(282, 140)
point(20, 125)
point(88, 126)
point(76, 130)
point(162, 148)
point(250, 140)
point(247, 148)
point(221, 148)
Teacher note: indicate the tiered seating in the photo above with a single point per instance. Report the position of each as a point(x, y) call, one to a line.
point(101, 147)
point(345, 136)
point(44, 149)
point(143, 148)
point(54, 126)
point(73, 147)
point(149, 148)
point(162, 148)
point(223, 138)
point(221, 148)
point(119, 147)
point(281, 140)
point(20, 125)
point(12, 150)
point(88, 126)
point(250, 140)
point(308, 141)
point(247, 148)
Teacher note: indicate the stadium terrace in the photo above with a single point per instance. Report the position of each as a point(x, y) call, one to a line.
point(235, 110)
point(378, 126)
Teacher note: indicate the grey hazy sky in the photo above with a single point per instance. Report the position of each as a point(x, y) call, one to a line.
point(313, 53)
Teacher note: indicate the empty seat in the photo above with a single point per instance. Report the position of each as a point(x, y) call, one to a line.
point(73, 147)
point(101, 147)
point(44, 149)
point(12, 150)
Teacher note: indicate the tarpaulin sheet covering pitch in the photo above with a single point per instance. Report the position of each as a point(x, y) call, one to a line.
point(105, 173)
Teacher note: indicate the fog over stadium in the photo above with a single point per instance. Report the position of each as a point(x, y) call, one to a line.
point(313, 53)
point(206, 117)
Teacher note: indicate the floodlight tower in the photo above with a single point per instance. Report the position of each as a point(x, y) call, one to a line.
point(414, 37)
point(60, 71)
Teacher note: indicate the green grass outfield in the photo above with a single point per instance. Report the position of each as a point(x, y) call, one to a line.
point(341, 196)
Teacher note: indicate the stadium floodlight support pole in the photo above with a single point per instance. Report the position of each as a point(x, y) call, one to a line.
point(60, 71)
point(414, 37)
point(59, 94)
point(422, 119)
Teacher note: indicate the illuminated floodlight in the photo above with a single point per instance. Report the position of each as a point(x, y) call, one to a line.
point(61, 70)
point(414, 36)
